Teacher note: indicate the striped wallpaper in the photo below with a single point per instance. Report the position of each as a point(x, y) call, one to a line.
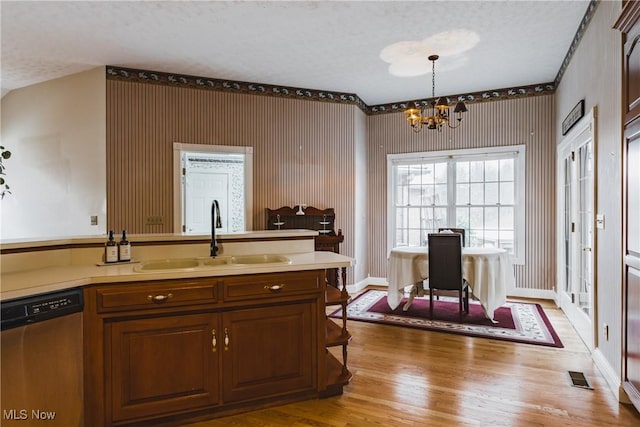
point(317, 153)
point(304, 151)
point(527, 121)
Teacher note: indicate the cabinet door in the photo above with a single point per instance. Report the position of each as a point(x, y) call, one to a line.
point(162, 365)
point(269, 351)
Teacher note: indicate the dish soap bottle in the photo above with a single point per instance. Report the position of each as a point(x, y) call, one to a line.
point(124, 248)
point(111, 249)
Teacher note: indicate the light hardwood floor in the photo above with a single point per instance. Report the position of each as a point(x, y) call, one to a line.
point(409, 377)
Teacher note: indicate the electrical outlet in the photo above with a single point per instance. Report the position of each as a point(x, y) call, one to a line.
point(605, 331)
point(155, 220)
point(94, 219)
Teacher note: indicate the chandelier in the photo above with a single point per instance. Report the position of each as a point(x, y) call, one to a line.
point(439, 113)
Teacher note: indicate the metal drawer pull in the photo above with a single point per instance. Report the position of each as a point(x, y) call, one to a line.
point(226, 339)
point(275, 287)
point(214, 341)
point(159, 298)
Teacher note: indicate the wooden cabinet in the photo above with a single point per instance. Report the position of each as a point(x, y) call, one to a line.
point(629, 25)
point(268, 352)
point(161, 364)
point(164, 351)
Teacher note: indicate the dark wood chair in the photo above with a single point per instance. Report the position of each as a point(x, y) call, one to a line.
point(455, 230)
point(445, 268)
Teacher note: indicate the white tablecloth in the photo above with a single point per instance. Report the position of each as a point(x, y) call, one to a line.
point(489, 272)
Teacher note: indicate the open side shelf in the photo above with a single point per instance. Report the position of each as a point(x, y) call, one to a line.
point(336, 335)
point(337, 376)
point(335, 296)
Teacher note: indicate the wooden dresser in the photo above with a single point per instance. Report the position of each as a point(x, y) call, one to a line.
point(629, 24)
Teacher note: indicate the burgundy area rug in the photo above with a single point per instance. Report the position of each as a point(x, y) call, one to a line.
point(517, 322)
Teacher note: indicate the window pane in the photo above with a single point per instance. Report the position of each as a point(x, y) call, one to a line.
point(414, 218)
point(506, 218)
point(491, 218)
point(476, 171)
point(506, 169)
point(506, 239)
point(476, 217)
point(427, 195)
point(402, 220)
point(477, 194)
point(414, 238)
point(415, 195)
point(476, 238)
point(440, 218)
point(491, 193)
point(506, 193)
point(401, 237)
point(462, 194)
point(441, 173)
point(462, 217)
point(441, 194)
point(462, 172)
point(491, 238)
point(491, 170)
point(427, 174)
point(401, 195)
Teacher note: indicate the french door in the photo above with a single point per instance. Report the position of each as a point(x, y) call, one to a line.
point(575, 262)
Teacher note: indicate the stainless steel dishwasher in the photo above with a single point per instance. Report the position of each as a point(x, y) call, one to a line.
point(41, 365)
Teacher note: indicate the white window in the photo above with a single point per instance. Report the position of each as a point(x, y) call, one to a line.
point(480, 190)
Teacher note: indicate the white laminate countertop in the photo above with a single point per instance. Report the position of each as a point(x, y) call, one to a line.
point(49, 279)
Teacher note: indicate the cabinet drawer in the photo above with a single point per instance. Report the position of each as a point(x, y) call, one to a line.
point(156, 295)
point(272, 285)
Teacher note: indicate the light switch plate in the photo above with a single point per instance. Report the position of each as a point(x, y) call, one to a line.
point(600, 221)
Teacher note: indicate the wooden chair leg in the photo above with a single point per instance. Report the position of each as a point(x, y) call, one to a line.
point(431, 303)
point(466, 300)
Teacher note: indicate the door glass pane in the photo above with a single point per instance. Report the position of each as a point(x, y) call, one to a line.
point(567, 225)
point(586, 226)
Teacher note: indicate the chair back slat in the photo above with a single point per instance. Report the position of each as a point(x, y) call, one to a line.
point(455, 230)
point(445, 261)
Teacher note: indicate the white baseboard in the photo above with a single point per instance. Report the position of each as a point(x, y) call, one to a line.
point(531, 293)
point(610, 376)
point(358, 286)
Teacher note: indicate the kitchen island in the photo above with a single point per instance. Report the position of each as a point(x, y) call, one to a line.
point(167, 345)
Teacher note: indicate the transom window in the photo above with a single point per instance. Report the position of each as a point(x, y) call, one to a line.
point(480, 190)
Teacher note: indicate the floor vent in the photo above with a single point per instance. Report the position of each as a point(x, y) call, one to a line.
point(579, 380)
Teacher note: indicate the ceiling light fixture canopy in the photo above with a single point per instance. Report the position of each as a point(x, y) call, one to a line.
point(440, 113)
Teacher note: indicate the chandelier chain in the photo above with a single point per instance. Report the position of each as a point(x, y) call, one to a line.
point(433, 79)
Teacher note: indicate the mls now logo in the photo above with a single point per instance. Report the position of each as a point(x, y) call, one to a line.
point(24, 414)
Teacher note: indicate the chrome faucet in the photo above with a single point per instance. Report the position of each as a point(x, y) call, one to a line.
point(216, 222)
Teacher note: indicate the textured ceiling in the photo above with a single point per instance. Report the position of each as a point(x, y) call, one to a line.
point(333, 46)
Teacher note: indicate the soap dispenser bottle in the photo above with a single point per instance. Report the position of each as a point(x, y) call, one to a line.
point(111, 249)
point(124, 248)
